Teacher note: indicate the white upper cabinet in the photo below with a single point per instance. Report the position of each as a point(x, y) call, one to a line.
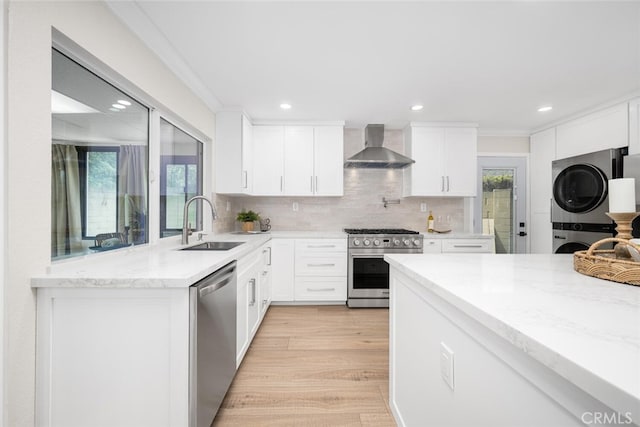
point(445, 160)
point(298, 160)
point(634, 126)
point(233, 153)
point(268, 160)
point(328, 154)
point(604, 129)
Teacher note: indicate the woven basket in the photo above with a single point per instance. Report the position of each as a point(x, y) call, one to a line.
point(603, 264)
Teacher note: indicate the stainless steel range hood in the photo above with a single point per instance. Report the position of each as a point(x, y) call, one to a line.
point(374, 154)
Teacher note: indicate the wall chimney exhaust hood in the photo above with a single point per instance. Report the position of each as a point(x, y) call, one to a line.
point(374, 154)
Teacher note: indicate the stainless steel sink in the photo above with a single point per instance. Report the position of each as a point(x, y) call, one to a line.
point(213, 246)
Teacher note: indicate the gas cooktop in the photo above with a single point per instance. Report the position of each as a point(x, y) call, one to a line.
point(379, 231)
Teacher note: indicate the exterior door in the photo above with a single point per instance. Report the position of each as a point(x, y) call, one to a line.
point(500, 207)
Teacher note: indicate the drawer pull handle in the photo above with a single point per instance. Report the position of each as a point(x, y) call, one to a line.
point(467, 246)
point(321, 246)
point(320, 265)
point(321, 289)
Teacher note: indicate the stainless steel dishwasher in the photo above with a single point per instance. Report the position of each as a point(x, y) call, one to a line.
point(212, 343)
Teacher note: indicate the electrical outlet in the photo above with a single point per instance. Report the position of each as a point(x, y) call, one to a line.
point(446, 364)
point(423, 207)
point(295, 206)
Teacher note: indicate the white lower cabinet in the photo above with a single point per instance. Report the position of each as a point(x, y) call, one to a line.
point(254, 274)
point(306, 270)
point(479, 244)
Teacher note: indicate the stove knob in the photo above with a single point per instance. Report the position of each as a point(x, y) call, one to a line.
point(366, 242)
point(396, 242)
point(416, 242)
point(376, 242)
point(356, 242)
point(406, 242)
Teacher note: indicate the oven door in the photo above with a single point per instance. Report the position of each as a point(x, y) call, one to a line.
point(368, 275)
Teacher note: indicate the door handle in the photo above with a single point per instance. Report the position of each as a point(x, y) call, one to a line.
point(281, 183)
point(311, 187)
point(447, 183)
point(320, 265)
point(522, 233)
point(246, 179)
point(252, 282)
point(316, 186)
point(321, 289)
point(442, 186)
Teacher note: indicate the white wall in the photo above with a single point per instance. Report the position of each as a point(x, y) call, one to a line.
point(3, 157)
point(28, 198)
point(503, 144)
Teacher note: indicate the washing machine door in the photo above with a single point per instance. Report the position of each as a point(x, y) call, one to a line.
point(571, 247)
point(580, 188)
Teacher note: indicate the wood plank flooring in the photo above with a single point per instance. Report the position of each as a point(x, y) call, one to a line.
point(313, 366)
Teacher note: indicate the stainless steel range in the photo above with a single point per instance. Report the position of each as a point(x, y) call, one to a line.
point(368, 272)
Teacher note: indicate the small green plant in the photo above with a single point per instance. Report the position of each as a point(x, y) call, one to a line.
point(247, 216)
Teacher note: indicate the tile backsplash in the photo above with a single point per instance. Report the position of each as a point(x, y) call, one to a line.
point(361, 206)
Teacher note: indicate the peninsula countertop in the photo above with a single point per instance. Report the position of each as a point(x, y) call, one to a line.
point(587, 330)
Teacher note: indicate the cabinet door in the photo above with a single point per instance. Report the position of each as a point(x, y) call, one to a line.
point(242, 321)
point(460, 162)
point(247, 156)
point(268, 155)
point(427, 173)
point(298, 160)
point(543, 152)
point(282, 269)
point(634, 126)
point(328, 161)
point(232, 163)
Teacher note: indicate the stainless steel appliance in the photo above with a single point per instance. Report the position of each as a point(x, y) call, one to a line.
point(212, 343)
point(571, 237)
point(368, 273)
point(580, 187)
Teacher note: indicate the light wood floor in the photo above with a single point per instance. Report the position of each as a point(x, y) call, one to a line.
point(313, 366)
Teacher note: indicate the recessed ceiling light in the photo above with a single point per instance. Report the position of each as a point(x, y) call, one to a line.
point(417, 107)
point(118, 106)
point(285, 106)
point(545, 108)
point(124, 102)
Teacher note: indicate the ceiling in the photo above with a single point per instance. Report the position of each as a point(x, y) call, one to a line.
point(493, 63)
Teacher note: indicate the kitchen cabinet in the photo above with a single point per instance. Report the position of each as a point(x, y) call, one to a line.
point(298, 160)
point(462, 244)
point(634, 126)
point(268, 165)
point(254, 296)
point(445, 160)
point(309, 270)
point(543, 153)
point(604, 129)
point(282, 269)
point(233, 159)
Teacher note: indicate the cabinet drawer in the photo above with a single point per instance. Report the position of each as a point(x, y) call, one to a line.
point(321, 245)
point(321, 289)
point(321, 265)
point(432, 246)
point(467, 245)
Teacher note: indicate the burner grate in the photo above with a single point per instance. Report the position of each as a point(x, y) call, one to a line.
point(379, 231)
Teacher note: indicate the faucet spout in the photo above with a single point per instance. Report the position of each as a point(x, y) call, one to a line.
point(185, 219)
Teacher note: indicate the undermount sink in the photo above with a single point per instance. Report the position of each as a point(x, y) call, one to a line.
point(213, 246)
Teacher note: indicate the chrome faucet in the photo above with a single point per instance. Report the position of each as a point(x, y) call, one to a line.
point(185, 225)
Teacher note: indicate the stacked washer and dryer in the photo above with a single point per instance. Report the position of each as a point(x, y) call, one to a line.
point(581, 199)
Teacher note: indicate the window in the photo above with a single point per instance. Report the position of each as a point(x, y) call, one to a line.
point(100, 139)
point(180, 178)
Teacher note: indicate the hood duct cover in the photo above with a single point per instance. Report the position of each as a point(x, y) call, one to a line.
point(375, 155)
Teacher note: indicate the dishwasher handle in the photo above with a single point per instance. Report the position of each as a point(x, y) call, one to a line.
point(217, 280)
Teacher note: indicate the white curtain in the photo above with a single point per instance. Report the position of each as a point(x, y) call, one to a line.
point(132, 186)
point(66, 225)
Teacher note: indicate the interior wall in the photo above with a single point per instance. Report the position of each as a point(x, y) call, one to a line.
point(361, 205)
point(28, 198)
point(3, 157)
point(503, 144)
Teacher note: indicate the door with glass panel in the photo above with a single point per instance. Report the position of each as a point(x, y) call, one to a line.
point(500, 207)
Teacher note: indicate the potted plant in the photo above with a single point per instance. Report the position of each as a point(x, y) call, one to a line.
point(247, 219)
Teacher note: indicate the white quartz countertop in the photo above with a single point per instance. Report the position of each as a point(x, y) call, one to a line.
point(161, 265)
point(457, 235)
point(585, 329)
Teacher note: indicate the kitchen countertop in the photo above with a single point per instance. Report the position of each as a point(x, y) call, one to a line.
point(457, 235)
point(586, 330)
point(162, 265)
